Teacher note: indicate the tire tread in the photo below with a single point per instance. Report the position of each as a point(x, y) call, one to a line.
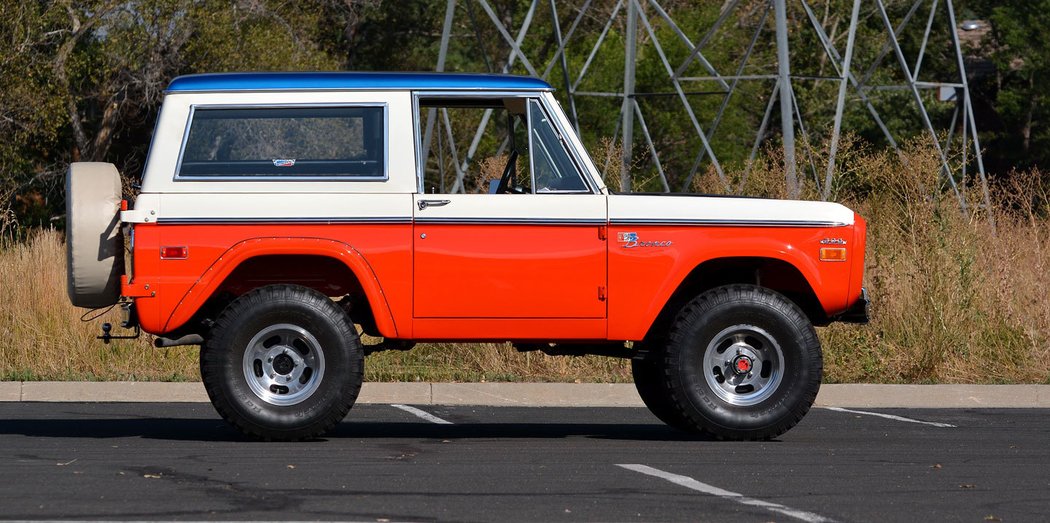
point(212, 362)
point(693, 313)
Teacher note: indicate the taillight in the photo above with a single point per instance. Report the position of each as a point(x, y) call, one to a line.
point(174, 253)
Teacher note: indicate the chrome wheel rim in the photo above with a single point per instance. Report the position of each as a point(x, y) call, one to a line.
point(743, 365)
point(283, 364)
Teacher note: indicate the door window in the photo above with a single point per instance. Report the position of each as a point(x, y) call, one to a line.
point(506, 145)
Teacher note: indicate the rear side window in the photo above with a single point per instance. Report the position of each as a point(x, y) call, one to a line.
point(285, 142)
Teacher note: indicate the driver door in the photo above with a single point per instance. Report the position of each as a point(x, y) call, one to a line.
point(530, 262)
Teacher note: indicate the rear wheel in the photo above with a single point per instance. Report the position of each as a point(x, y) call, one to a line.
point(283, 362)
point(742, 362)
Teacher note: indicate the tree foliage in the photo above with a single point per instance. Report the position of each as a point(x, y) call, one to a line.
point(1016, 94)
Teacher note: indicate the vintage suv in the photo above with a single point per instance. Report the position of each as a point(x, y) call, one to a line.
point(279, 211)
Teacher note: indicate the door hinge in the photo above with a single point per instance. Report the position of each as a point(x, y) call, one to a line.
point(601, 293)
point(602, 232)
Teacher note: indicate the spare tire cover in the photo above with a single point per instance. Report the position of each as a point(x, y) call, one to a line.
point(94, 243)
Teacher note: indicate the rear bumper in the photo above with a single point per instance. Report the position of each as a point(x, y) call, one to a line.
point(859, 311)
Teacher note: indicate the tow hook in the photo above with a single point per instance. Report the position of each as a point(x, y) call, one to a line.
point(106, 336)
point(128, 320)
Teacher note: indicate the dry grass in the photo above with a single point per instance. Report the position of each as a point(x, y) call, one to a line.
point(957, 300)
point(954, 299)
point(45, 340)
point(491, 362)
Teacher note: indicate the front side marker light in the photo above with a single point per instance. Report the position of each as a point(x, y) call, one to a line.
point(174, 253)
point(833, 254)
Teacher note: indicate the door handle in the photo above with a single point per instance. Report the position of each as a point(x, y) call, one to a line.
point(423, 204)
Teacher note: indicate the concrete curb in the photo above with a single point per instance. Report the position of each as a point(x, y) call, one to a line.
point(544, 394)
point(935, 396)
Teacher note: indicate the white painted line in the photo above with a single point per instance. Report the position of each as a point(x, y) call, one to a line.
point(691, 483)
point(422, 414)
point(892, 417)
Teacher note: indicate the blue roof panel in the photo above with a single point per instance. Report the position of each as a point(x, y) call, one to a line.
point(352, 80)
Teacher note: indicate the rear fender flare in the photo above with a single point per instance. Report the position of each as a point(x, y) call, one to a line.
point(250, 248)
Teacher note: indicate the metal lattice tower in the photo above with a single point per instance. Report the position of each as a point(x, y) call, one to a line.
point(639, 17)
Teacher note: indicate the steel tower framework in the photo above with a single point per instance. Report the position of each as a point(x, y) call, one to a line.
point(638, 18)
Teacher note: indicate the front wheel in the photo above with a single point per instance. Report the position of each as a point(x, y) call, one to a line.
point(283, 362)
point(742, 362)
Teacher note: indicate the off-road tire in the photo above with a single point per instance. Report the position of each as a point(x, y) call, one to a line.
point(309, 327)
point(651, 382)
point(754, 321)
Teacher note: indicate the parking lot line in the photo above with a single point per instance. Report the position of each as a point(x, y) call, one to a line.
point(422, 414)
point(892, 417)
point(712, 490)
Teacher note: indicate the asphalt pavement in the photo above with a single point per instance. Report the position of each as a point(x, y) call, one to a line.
point(135, 461)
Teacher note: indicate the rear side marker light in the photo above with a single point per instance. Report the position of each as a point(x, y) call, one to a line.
point(833, 254)
point(174, 253)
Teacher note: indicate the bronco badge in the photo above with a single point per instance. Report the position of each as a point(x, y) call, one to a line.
point(630, 240)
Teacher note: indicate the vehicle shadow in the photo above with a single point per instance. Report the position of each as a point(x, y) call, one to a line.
point(182, 429)
point(524, 430)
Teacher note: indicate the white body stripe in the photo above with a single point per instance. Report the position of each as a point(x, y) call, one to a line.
point(537, 208)
point(715, 211)
point(278, 207)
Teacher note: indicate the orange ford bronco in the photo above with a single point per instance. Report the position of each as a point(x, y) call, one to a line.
point(280, 211)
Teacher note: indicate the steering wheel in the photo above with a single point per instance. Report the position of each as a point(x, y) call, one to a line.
point(509, 173)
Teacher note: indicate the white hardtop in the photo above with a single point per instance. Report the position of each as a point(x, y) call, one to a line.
point(163, 196)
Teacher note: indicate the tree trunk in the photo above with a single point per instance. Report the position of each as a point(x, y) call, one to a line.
point(84, 149)
point(1026, 130)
